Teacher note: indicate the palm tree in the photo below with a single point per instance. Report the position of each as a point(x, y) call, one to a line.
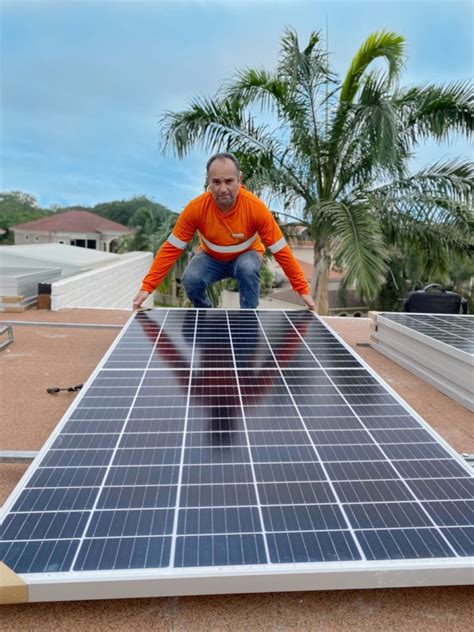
point(338, 155)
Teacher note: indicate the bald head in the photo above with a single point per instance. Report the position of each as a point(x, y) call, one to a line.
point(224, 179)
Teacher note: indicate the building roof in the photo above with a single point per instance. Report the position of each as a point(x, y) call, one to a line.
point(75, 221)
point(334, 275)
point(69, 258)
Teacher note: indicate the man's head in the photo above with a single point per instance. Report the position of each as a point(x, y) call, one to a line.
point(224, 178)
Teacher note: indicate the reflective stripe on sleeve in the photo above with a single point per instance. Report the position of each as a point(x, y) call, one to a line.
point(278, 245)
point(230, 249)
point(174, 241)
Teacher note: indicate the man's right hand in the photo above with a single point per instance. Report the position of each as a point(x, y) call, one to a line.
point(140, 298)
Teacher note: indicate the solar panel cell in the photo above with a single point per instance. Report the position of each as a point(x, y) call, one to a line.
point(304, 547)
point(123, 553)
point(398, 544)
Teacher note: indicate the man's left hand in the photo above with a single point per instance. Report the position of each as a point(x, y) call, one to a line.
point(309, 302)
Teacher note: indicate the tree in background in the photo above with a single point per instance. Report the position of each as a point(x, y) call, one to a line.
point(17, 207)
point(338, 155)
point(122, 211)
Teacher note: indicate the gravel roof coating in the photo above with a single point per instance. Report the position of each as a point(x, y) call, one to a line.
point(41, 357)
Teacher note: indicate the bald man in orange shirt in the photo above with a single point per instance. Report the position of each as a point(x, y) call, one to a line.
point(234, 229)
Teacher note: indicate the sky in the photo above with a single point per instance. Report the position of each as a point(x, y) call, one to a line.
point(84, 83)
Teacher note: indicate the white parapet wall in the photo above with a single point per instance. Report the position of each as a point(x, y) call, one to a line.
point(112, 286)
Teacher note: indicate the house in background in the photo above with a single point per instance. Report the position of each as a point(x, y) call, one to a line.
point(73, 228)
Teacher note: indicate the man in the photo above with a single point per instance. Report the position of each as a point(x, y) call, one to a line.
point(234, 228)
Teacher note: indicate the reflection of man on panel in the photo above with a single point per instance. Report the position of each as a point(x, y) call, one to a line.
point(234, 228)
point(216, 391)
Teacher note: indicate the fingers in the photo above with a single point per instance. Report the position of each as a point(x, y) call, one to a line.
point(309, 302)
point(139, 299)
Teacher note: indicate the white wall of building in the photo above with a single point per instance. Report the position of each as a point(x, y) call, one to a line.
point(111, 286)
point(102, 239)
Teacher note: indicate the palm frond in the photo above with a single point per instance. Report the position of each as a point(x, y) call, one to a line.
point(451, 179)
point(388, 45)
point(436, 111)
point(358, 245)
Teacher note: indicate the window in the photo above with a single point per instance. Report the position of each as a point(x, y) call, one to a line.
point(37, 238)
point(27, 238)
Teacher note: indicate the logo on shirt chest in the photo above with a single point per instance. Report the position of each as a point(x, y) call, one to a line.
point(237, 236)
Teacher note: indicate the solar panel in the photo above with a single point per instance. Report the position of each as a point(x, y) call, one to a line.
point(217, 451)
point(439, 348)
point(456, 331)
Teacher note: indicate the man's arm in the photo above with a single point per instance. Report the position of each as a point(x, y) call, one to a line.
point(167, 255)
point(273, 239)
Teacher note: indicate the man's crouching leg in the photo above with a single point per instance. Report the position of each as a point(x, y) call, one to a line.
point(200, 273)
point(246, 270)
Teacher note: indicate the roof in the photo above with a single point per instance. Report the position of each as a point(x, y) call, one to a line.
point(75, 221)
point(54, 255)
point(334, 275)
point(41, 357)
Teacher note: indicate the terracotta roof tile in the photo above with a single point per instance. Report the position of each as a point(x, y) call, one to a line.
point(75, 221)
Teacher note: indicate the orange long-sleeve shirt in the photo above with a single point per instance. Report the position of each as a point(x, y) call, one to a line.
point(225, 236)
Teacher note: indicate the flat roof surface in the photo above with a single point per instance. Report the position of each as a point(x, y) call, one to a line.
point(41, 357)
point(54, 254)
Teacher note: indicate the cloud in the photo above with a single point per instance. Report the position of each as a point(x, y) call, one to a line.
point(85, 83)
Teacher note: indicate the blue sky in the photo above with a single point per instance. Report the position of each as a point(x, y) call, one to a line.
point(83, 84)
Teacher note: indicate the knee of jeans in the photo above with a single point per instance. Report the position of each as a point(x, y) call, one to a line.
point(248, 267)
point(192, 278)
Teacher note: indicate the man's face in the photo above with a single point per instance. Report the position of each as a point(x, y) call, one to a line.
point(224, 183)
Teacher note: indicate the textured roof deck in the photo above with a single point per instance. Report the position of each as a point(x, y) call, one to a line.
point(41, 357)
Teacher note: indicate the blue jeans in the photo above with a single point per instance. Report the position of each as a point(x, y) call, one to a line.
point(204, 270)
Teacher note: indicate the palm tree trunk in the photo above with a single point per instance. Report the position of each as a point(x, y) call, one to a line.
point(320, 279)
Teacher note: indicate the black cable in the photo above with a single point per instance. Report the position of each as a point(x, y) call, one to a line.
point(70, 389)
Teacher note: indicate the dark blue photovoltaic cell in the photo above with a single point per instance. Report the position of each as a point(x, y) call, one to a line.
point(223, 473)
point(219, 520)
point(295, 493)
point(48, 556)
point(461, 539)
point(219, 550)
point(386, 515)
point(62, 499)
point(43, 526)
point(217, 495)
point(137, 497)
point(303, 518)
point(443, 489)
point(325, 546)
point(130, 523)
point(375, 491)
point(143, 475)
point(123, 553)
point(398, 544)
point(448, 514)
point(220, 438)
point(67, 477)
